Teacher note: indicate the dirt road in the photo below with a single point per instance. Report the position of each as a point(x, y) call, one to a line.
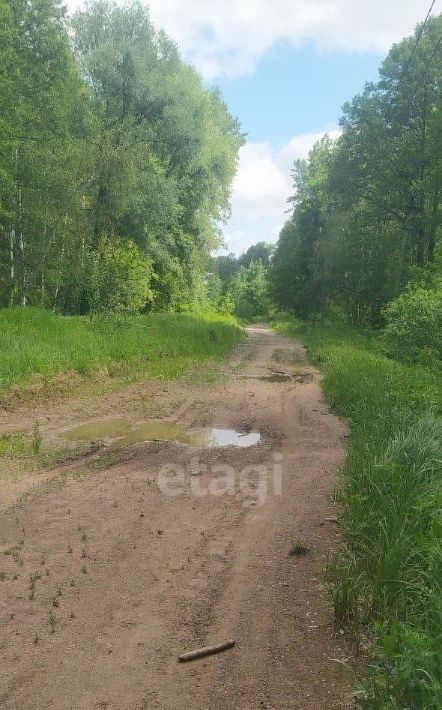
point(111, 565)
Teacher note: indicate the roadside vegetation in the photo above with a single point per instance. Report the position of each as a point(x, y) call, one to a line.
point(366, 218)
point(40, 343)
point(386, 579)
point(116, 165)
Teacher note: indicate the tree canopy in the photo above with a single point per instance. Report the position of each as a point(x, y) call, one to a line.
point(367, 207)
point(109, 138)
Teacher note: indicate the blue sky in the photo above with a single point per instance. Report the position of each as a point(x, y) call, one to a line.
point(296, 90)
point(292, 97)
point(285, 67)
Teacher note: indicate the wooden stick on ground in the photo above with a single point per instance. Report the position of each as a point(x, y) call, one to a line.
point(205, 651)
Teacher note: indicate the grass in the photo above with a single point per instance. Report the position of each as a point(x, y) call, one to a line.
point(386, 580)
point(38, 345)
point(15, 445)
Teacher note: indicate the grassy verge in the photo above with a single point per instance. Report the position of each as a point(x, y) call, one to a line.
point(386, 582)
point(38, 345)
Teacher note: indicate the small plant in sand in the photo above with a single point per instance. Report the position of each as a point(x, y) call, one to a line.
point(299, 550)
point(52, 620)
point(32, 580)
point(36, 439)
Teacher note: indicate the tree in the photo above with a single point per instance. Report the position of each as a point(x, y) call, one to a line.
point(167, 147)
point(44, 120)
point(367, 208)
point(120, 278)
point(106, 134)
point(249, 291)
point(257, 252)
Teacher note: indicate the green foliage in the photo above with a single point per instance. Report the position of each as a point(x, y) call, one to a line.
point(367, 207)
point(249, 291)
point(389, 572)
point(413, 331)
point(120, 278)
point(406, 664)
point(40, 343)
point(226, 304)
point(105, 131)
point(261, 251)
point(213, 287)
point(226, 267)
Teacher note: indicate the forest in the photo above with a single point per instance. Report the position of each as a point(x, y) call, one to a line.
point(364, 236)
point(115, 162)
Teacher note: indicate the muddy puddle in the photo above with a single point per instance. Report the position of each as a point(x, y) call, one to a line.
point(122, 432)
point(274, 377)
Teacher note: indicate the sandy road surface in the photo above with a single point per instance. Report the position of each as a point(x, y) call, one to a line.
point(105, 578)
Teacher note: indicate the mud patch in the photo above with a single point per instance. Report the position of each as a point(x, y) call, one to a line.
point(303, 377)
point(276, 377)
point(273, 377)
point(289, 357)
point(120, 432)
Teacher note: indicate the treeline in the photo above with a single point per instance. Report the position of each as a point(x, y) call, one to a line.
point(115, 161)
point(240, 285)
point(366, 217)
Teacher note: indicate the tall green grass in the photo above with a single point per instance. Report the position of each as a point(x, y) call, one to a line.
point(386, 581)
point(36, 342)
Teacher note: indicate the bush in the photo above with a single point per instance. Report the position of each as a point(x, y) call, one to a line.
point(226, 305)
point(414, 326)
point(249, 291)
point(120, 278)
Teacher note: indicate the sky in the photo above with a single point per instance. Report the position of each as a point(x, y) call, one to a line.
point(285, 68)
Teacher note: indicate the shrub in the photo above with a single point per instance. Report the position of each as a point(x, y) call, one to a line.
point(414, 326)
point(120, 277)
point(226, 305)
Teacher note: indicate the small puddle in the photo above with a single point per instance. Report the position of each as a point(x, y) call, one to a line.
point(122, 432)
point(276, 378)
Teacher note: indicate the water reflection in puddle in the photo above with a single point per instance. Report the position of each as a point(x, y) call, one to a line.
point(122, 432)
point(210, 438)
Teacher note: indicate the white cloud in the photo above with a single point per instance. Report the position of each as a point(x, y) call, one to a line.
point(261, 188)
point(301, 145)
point(228, 38)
